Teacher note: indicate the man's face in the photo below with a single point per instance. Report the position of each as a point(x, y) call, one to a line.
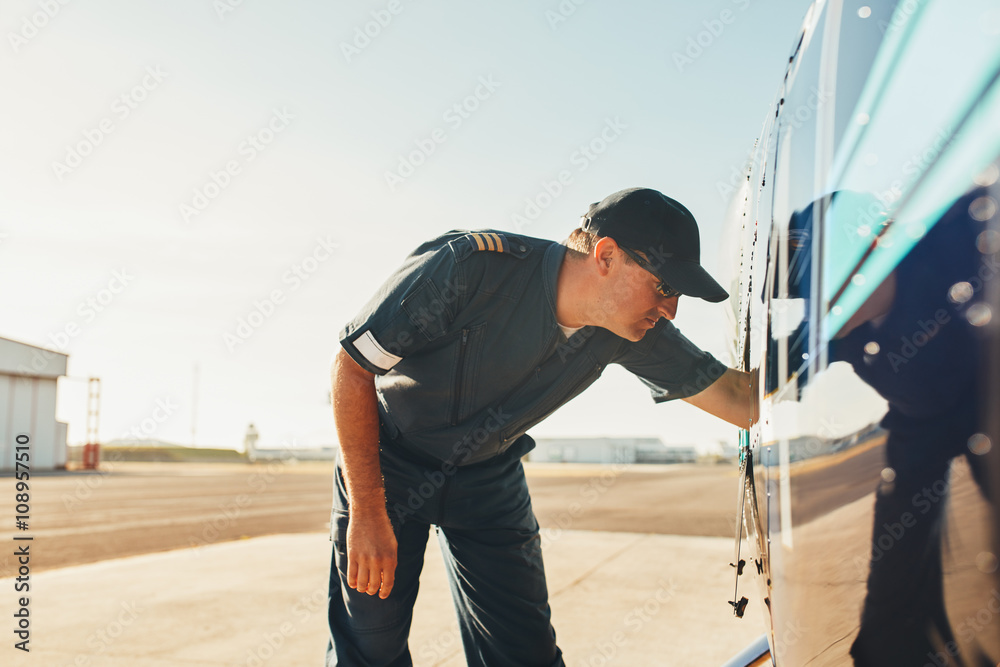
point(631, 303)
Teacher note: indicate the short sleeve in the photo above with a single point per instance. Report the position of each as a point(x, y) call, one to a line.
point(414, 307)
point(669, 364)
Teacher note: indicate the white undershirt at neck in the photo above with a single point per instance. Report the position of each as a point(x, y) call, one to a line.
point(569, 331)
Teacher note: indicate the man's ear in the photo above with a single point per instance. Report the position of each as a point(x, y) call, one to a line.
point(604, 252)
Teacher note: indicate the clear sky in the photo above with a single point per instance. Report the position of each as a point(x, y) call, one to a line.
point(170, 170)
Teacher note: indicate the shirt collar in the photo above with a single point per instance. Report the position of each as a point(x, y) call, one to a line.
point(551, 263)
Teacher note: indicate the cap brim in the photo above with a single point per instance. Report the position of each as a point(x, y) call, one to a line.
point(691, 279)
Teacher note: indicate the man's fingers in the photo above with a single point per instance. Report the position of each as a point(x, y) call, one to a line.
point(364, 574)
point(370, 579)
point(352, 571)
point(373, 583)
point(388, 579)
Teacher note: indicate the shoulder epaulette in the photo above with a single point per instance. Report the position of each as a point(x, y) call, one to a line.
point(489, 241)
point(470, 243)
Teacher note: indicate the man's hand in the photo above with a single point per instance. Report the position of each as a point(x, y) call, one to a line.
point(371, 553)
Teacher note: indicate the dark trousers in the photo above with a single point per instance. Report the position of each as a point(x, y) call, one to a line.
point(492, 553)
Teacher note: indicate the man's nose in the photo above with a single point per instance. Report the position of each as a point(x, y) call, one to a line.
point(668, 307)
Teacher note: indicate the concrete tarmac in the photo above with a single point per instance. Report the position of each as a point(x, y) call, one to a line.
point(127, 509)
point(227, 564)
point(617, 598)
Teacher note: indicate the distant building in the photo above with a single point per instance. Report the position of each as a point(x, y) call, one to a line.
point(28, 376)
point(285, 452)
point(139, 443)
point(609, 450)
point(293, 454)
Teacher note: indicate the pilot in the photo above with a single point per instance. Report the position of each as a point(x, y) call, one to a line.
point(476, 338)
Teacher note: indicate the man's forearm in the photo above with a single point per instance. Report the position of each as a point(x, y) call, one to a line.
point(355, 412)
point(371, 544)
point(733, 398)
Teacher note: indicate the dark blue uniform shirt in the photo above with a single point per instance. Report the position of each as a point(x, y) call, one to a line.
point(468, 355)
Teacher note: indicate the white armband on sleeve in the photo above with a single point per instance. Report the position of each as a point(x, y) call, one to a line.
point(375, 353)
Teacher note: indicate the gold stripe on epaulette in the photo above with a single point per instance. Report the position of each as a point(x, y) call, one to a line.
point(499, 240)
point(490, 241)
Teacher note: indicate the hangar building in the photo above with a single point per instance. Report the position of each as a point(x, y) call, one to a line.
point(28, 376)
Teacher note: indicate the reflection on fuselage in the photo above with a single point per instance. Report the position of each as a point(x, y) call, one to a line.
point(919, 350)
point(867, 236)
point(874, 545)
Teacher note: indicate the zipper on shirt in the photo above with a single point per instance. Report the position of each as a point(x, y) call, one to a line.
point(458, 376)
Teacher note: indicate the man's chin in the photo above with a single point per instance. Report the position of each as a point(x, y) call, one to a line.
point(636, 334)
point(633, 335)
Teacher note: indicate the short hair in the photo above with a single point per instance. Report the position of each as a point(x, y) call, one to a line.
point(584, 241)
point(581, 241)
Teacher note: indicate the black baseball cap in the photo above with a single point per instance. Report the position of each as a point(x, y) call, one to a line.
point(663, 230)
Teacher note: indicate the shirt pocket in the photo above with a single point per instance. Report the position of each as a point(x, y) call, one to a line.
point(339, 518)
point(428, 311)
